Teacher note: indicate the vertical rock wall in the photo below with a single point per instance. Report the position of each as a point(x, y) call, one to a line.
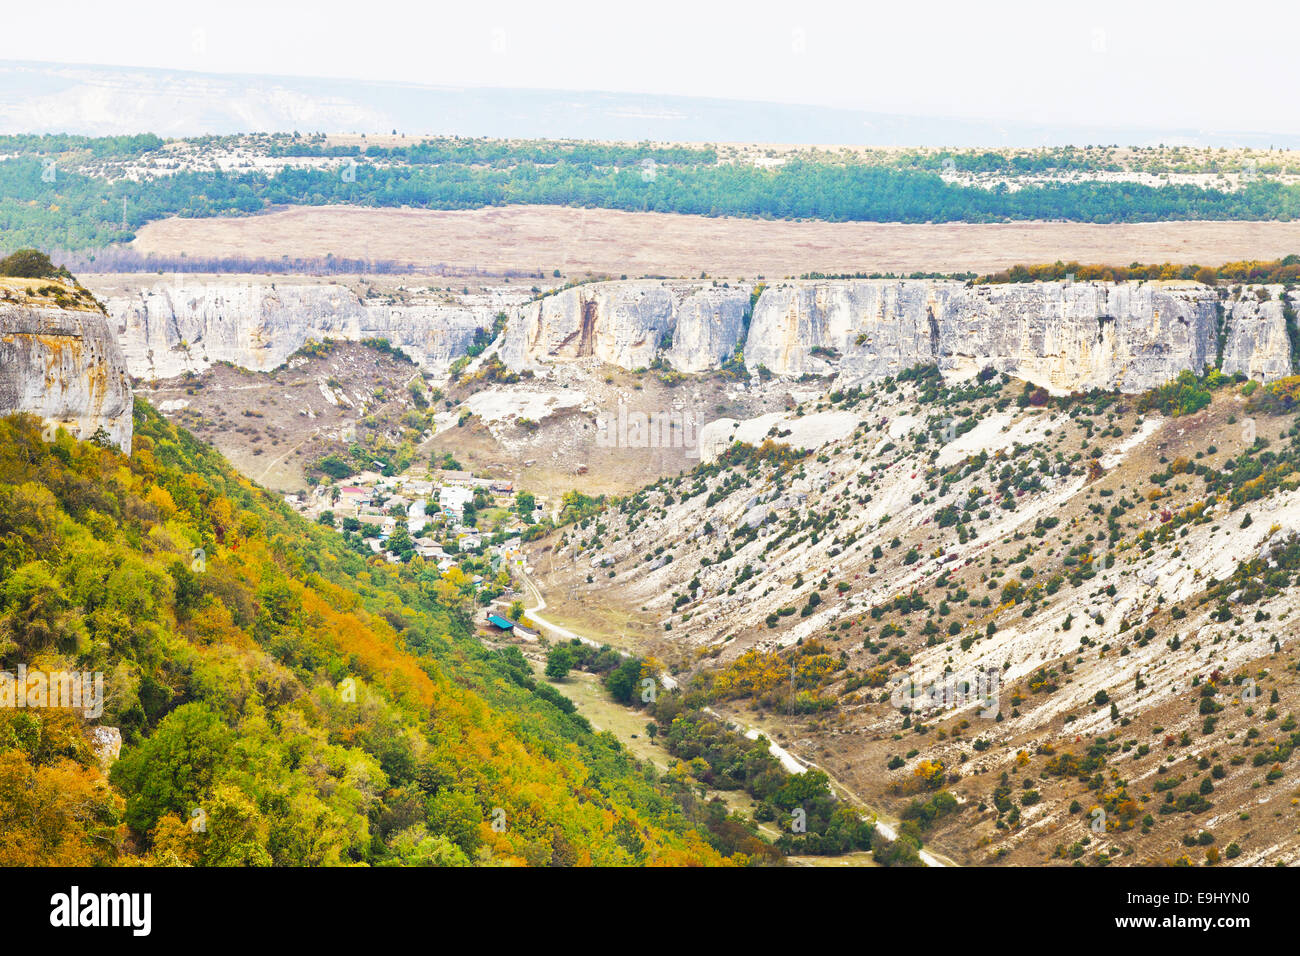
point(66, 367)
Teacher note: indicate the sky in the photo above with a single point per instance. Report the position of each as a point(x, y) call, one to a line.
point(1142, 62)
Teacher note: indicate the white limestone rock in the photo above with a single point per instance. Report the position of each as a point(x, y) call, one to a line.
point(65, 366)
point(170, 328)
point(1256, 343)
point(694, 325)
point(1064, 336)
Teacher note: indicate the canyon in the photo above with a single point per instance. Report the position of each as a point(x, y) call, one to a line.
point(71, 364)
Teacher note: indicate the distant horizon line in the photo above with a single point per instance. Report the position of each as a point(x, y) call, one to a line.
point(1101, 136)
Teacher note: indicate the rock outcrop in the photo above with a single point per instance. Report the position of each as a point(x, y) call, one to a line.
point(863, 329)
point(106, 742)
point(694, 325)
point(1256, 343)
point(1062, 335)
point(170, 328)
point(1066, 336)
point(65, 366)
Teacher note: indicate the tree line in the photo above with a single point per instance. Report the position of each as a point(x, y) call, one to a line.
point(70, 210)
point(1283, 271)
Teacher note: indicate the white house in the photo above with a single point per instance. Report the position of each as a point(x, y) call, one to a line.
point(416, 519)
point(454, 498)
point(429, 549)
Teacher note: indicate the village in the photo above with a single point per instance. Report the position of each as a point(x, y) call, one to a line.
point(447, 518)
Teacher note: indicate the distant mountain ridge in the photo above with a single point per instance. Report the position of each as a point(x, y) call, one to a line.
point(87, 99)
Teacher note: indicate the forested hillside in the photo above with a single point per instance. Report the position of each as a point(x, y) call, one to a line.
point(281, 700)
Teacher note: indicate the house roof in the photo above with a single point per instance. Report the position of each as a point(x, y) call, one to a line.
point(500, 622)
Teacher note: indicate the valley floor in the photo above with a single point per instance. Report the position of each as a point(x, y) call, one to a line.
point(628, 724)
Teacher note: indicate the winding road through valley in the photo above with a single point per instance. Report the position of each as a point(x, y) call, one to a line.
point(793, 763)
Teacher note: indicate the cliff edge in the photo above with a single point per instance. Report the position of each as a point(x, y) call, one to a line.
point(60, 361)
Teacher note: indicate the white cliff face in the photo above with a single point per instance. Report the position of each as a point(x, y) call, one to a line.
point(694, 325)
point(709, 326)
point(65, 366)
point(867, 329)
point(1063, 336)
point(1256, 343)
point(1078, 336)
point(172, 328)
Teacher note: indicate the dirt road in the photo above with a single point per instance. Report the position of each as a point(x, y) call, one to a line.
point(790, 761)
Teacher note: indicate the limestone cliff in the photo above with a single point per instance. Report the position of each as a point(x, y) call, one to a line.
point(1062, 335)
point(1079, 336)
point(65, 366)
point(694, 325)
point(1065, 336)
point(170, 328)
point(1256, 343)
point(865, 329)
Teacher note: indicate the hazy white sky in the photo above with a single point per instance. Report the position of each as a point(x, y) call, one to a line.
point(1140, 62)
